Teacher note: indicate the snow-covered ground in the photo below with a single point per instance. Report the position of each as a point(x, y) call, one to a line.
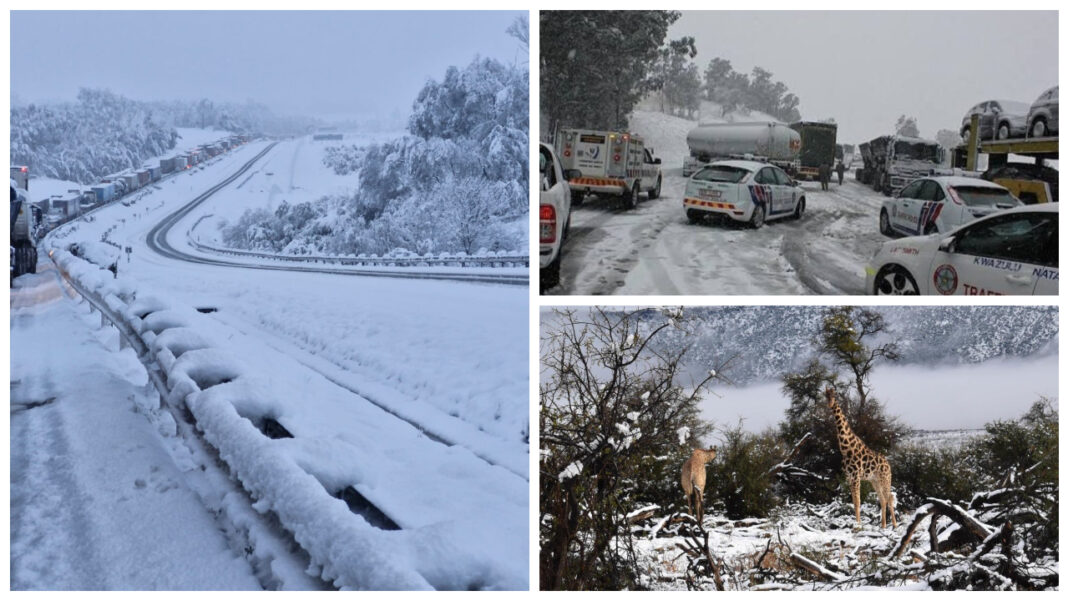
point(99, 491)
point(379, 367)
point(827, 534)
point(653, 249)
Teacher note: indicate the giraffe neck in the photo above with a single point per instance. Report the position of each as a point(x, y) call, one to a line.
point(845, 433)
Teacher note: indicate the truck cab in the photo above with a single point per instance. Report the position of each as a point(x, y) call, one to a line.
point(608, 163)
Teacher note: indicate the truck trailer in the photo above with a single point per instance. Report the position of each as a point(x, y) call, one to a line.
point(819, 142)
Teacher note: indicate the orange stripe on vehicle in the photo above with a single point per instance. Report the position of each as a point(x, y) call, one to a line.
point(596, 181)
point(707, 203)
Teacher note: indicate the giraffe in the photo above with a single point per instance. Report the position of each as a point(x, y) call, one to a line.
point(861, 463)
point(693, 479)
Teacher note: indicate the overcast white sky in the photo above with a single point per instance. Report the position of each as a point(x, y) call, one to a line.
point(865, 69)
point(312, 63)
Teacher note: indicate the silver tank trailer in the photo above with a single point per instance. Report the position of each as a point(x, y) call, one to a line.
point(775, 142)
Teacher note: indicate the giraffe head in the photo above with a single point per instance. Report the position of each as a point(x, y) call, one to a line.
point(832, 398)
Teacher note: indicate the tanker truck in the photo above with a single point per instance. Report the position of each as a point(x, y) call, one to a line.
point(769, 141)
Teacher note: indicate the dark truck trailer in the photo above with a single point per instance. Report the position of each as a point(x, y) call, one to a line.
point(818, 143)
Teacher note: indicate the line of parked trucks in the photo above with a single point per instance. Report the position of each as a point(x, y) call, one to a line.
point(30, 220)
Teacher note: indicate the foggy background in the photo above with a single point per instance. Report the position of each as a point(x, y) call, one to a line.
point(325, 63)
point(865, 69)
point(947, 398)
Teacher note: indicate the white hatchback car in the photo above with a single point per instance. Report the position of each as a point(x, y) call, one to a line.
point(938, 204)
point(747, 191)
point(1011, 252)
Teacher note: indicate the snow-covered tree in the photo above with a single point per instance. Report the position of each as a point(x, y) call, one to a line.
point(906, 126)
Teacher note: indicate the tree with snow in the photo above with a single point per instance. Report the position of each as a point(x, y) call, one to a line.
point(906, 126)
point(617, 421)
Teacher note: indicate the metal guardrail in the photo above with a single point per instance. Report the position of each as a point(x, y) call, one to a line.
point(364, 261)
point(339, 564)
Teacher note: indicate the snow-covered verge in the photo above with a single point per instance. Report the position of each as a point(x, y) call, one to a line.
point(299, 450)
point(104, 494)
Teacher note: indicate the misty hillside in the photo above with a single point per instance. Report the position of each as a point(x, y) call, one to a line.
point(769, 341)
point(83, 141)
point(457, 183)
point(103, 132)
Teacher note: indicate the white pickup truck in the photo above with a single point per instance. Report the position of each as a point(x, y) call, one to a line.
point(554, 217)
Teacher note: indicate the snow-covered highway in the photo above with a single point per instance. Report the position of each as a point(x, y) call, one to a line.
point(412, 392)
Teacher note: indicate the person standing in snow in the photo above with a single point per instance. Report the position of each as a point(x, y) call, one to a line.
point(825, 176)
point(840, 168)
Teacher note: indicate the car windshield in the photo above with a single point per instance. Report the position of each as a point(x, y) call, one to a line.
point(984, 197)
point(916, 150)
point(721, 173)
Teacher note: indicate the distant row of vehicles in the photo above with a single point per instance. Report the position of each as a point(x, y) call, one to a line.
point(31, 219)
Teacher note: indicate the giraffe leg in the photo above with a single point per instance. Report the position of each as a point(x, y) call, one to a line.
point(854, 487)
point(700, 507)
point(882, 506)
point(890, 499)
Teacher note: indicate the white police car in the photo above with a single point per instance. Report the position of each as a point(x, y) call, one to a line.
point(1010, 252)
point(939, 204)
point(747, 191)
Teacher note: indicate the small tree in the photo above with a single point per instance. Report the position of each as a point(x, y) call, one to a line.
point(845, 361)
point(614, 415)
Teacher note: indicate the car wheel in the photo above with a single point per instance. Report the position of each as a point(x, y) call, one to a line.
point(757, 220)
point(884, 224)
point(1003, 131)
point(965, 134)
point(550, 276)
point(655, 193)
point(695, 216)
point(577, 198)
point(1038, 129)
point(630, 198)
point(895, 280)
point(799, 210)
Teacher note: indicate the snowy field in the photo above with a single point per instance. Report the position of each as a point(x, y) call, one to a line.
point(943, 398)
point(377, 369)
point(653, 249)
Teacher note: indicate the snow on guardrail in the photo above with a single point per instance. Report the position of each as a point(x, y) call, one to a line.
point(226, 403)
point(444, 260)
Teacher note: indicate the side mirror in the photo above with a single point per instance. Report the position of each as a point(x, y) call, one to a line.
point(947, 245)
point(656, 161)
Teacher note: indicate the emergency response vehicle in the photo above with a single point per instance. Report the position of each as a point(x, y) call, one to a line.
point(608, 163)
point(747, 191)
point(1010, 252)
